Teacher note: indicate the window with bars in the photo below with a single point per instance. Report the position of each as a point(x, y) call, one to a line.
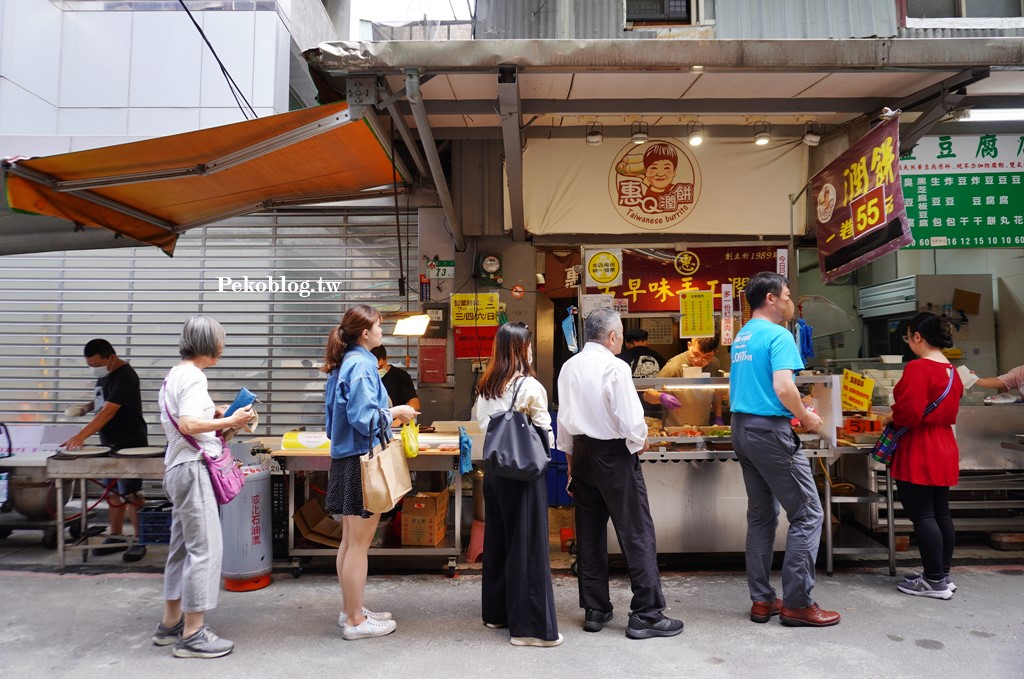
point(941, 9)
point(658, 10)
point(277, 282)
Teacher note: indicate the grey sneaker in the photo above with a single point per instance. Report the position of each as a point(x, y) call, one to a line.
point(203, 644)
point(933, 589)
point(949, 580)
point(641, 629)
point(165, 636)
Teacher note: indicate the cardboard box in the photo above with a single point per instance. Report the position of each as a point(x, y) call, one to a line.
point(425, 518)
point(316, 526)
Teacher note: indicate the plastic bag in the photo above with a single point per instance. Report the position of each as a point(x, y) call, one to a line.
point(411, 439)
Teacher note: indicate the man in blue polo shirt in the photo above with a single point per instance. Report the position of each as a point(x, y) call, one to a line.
point(764, 399)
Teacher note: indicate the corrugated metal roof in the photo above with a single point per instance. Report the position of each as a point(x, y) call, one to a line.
point(799, 19)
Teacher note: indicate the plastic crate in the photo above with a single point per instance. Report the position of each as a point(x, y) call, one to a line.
point(155, 524)
point(557, 477)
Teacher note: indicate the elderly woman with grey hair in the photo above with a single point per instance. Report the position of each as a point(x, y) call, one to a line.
point(193, 425)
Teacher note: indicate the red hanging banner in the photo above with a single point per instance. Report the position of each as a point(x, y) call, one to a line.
point(653, 279)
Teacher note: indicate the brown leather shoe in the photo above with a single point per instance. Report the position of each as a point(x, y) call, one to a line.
point(763, 611)
point(812, 616)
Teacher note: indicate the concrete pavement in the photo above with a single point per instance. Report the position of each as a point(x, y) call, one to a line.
point(92, 625)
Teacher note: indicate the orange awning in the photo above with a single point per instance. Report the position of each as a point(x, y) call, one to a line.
point(153, 190)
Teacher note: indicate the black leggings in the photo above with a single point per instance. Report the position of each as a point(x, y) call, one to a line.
point(928, 507)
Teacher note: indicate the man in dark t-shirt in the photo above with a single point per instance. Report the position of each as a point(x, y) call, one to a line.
point(397, 382)
point(643, 361)
point(117, 402)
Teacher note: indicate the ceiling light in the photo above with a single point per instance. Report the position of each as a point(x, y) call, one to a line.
point(413, 325)
point(638, 133)
point(994, 114)
point(762, 133)
point(812, 133)
point(595, 134)
point(695, 134)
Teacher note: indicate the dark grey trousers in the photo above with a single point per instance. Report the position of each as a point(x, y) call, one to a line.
point(776, 472)
point(608, 483)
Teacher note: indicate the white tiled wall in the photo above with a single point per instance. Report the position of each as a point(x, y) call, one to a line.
point(232, 34)
point(270, 63)
point(95, 53)
point(29, 32)
point(166, 60)
point(92, 121)
point(154, 122)
point(23, 112)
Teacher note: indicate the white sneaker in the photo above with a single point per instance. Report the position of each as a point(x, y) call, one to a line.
point(534, 641)
point(367, 613)
point(924, 587)
point(368, 629)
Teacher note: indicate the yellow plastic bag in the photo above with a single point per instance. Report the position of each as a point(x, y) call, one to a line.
point(411, 439)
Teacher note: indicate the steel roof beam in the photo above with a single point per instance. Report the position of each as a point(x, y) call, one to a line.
point(412, 89)
point(512, 138)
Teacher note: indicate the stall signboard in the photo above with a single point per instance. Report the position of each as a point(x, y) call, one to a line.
point(855, 391)
point(727, 315)
point(966, 191)
point(474, 323)
point(858, 203)
point(474, 309)
point(473, 341)
point(653, 279)
point(603, 267)
point(697, 313)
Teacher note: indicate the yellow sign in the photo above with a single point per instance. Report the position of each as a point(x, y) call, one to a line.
point(604, 267)
point(856, 391)
point(479, 309)
point(697, 313)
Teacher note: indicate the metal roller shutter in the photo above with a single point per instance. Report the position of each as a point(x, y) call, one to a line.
point(53, 303)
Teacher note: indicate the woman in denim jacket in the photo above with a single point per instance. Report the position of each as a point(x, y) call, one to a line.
point(355, 404)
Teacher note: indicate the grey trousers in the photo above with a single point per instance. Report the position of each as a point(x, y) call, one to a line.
point(776, 472)
point(196, 549)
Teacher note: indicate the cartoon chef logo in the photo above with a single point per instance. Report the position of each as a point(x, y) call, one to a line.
point(655, 185)
point(826, 203)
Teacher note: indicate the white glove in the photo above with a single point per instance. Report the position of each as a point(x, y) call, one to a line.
point(77, 410)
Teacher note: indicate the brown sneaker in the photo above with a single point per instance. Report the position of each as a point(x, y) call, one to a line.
point(763, 611)
point(812, 616)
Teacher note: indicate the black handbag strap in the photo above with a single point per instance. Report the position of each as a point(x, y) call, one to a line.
point(515, 394)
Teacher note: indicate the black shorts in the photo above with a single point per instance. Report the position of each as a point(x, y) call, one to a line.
point(345, 488)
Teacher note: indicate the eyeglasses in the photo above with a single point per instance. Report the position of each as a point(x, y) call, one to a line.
point(906, 340)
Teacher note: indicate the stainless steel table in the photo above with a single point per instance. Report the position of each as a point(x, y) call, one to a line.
point(428, 460)
point(84, 468)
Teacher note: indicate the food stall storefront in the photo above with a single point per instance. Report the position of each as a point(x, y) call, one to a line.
point(548, 143)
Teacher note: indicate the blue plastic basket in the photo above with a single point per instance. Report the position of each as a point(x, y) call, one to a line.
point(155, 524)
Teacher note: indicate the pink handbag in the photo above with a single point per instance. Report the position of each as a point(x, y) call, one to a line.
point(226, 475)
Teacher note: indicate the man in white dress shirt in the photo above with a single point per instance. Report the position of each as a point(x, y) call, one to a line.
point(601, 429)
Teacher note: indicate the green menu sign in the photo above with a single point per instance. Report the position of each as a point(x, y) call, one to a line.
point(965, 191)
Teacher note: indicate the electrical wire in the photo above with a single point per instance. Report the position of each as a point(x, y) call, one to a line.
point(233, 87)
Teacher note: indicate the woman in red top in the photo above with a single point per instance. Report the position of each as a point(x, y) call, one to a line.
point(927, 461)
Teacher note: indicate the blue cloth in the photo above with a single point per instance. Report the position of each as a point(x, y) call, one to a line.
point(355, 400)
point(569, 330)
point(805, 339)
point(465, 451)
point(760, 348)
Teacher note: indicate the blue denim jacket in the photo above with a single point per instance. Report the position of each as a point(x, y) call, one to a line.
point(355, 401)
